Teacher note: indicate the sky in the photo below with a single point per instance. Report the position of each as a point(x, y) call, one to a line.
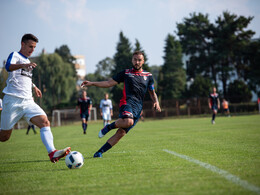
point(91, 27)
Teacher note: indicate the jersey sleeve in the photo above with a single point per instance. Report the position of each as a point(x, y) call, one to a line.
point(10, 60)
point(120, 77)
point(151, 83)
point(101, 104)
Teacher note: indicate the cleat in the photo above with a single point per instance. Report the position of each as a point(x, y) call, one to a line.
point(57, 154)
point(213, 122)
point(97, 155)
point(103, 132)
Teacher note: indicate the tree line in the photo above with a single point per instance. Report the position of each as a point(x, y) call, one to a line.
point(200, 55)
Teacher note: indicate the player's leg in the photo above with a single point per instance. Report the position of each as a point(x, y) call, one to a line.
point(5, 135)
point(47, 138)
point(111, 142)
point(125, 120)
point(28, 129)
point(10, 115)
point(33, 128)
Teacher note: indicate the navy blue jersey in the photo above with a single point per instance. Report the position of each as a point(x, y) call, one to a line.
point(136, 85)
point(213, 99)
point(84, 104)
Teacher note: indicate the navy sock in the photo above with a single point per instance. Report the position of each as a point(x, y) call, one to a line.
point(105, 147)
point(213, 117)
point(111, 126)
point(84, 126)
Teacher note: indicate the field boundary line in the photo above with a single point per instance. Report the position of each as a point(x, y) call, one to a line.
point(223, 173)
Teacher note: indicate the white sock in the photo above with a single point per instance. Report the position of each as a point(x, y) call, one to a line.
point(47, 138)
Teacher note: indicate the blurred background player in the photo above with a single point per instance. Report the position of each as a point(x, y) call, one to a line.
point(214, 103)
point(106, 109)
point(136, 83)
point(225, 107)
point(29, 127)
point(18, 102)
point(85, 105)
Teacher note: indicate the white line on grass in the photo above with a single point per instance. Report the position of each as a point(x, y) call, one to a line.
point(221, 172)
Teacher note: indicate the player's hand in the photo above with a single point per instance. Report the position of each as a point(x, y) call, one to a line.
point(85, 83)
point(156, 106)
point(38, 92)
point(29, 66)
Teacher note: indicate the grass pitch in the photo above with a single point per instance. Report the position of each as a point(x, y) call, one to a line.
point(138, 164)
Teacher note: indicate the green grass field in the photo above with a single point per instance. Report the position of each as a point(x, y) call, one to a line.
point(139, 164)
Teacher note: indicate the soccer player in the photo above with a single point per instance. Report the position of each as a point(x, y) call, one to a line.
point(225, 107)
point(18, 101)
point(85, 105)
point(136, 83)
point(214, 104)
point(106, 110)
point(29, 127)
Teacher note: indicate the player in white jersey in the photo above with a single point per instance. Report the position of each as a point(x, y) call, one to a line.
point(18, 101)
point(106, 109)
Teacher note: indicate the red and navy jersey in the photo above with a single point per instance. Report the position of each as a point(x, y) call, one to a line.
point(213, 99)
point(84, 104)
point(136, 85)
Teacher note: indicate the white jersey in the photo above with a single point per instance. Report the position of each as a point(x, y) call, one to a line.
point(19, 82)
point(106, 106)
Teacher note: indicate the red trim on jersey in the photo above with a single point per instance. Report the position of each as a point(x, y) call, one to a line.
point(123, 99)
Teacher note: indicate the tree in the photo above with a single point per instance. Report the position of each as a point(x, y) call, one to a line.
point(252, 71)
point(229, 42)
point(195, 35)
point(65, 54)
point(172, 77)
point(200, 87)
point(55, 78)
point(105, 67)
point(238, 92)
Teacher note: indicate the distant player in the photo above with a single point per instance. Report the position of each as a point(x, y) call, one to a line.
point(18, 102)
point(136, 83)
point(214, 104)
point(31, 127)
point(85, 105)
point(106, 110)
point(225, 107)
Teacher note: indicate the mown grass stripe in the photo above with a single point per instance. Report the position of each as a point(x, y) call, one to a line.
point(223, 173)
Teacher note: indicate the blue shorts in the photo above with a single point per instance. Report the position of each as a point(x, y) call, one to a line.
point(125, 111)
point(214, 107)
point(84, 115)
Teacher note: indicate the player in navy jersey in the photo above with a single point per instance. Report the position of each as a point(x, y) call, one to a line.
point(214, 104)
point(85, 105)
point(136, 83)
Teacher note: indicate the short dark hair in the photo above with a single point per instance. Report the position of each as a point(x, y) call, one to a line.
point(138, 53)
point(28, 37)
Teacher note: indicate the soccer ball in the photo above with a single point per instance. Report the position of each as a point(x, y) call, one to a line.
point(74, 160)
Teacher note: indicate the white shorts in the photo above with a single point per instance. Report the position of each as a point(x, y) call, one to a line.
point(15, 108)
point(106, 117)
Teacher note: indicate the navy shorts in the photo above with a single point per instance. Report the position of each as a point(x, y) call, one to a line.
point(214, 107)
point(126, 111)
point(84, 115)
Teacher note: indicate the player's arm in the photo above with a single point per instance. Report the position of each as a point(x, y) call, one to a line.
point(12, 67)
point(218, 104)
point(101, 84)
point(37, 91)
point(209, 103)
point(154, 98)
point(89, 108)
